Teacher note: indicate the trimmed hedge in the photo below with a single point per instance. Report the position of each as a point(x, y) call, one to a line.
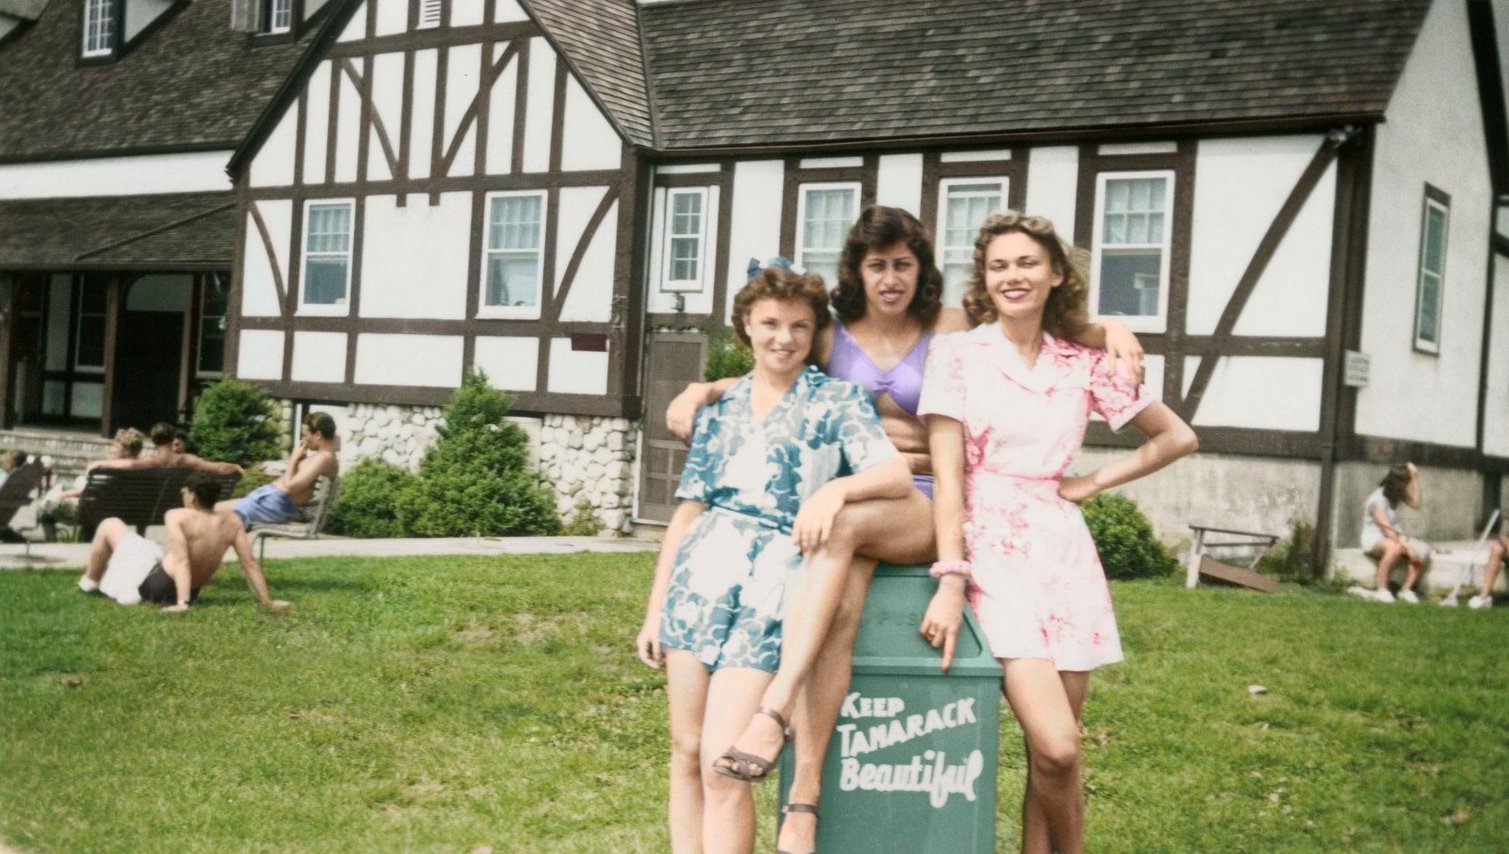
point(237, 422)
point(373, 497)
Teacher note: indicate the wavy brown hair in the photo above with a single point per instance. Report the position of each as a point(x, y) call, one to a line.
point(779, 283)
point(1067, 312)
point(1395, 484)
point(877, 228)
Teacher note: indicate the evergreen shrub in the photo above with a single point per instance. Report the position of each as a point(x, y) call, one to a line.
point(237, 422)
point(727, 357)
point(475, 481)
point(1128, 549)
point(372, 497)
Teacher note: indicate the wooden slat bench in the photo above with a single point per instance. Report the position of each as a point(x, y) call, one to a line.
point(1201, 563)
point(138, 497)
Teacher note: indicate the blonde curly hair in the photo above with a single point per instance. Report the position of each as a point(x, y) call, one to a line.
point(1068, 310)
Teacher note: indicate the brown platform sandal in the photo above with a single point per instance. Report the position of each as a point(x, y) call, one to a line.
point(747, 766)
point(791, 808)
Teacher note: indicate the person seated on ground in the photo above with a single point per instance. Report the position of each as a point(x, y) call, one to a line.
point(165, 454)
point(129, 568)
point(283, 500)
point(1383, 537)
point(1498, 550)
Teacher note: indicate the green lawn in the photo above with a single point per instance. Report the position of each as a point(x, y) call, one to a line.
point(444, 704)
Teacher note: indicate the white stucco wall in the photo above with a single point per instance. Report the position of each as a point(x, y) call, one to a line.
point(316, 124)
point(1433, 134)
point(416, 249)
point(1052, 176)
point(588, 141)
point(591, 295)
point(259, 290)
point(273, 166)
point(539, 106)
point(898, 182)
point(414, 360)
point(1240, 185)
point(189, 172)
point(755, 221)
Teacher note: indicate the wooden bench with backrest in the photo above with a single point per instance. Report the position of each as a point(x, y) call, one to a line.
point(138, 497)
point(308, 526)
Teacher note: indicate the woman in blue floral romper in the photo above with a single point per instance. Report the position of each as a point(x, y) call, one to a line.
point(771, 464)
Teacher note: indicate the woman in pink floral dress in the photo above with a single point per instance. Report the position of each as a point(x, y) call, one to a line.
point(1006, 405)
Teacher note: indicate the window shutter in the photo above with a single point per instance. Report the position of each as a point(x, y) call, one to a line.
point(246, 16)
point(429, 13)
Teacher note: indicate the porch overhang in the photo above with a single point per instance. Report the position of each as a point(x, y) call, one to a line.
point(171, 232)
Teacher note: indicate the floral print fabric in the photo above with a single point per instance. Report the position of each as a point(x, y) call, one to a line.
point(727, 594)
point(1038, 588)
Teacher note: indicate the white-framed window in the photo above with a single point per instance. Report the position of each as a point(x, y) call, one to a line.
point(279, 16)
point(1133, 247)
point(99, 27)
point(963, 204)
point(684, 252)
point(89, 340)
point(513, 260)
point(430, 13)
point(327, 256)
point(1432, 280)
point(214, 305)
point(824, 215)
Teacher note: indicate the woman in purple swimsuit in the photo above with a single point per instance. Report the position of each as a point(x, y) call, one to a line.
point(888, 306)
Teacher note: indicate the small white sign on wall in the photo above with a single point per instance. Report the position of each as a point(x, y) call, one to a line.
point(1355, 369)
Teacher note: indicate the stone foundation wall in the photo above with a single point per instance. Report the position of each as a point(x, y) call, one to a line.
point(587, 461)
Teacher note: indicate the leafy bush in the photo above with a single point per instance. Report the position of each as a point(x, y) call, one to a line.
point(476, 480)
point(1124, 539)
point(583, 521)
point(370, 501)
point(727, 357)
point(236, 421)
point(1289, 560)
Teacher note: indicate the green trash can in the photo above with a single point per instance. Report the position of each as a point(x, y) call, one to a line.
point(912, 763)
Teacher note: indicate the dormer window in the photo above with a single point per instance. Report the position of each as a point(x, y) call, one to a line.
point(279, 16)
point(99, 27)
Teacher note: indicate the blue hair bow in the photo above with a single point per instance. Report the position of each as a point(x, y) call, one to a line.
point(779, 261)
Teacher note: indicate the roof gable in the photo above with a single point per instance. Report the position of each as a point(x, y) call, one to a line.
point(734, 73)
point(601, 41)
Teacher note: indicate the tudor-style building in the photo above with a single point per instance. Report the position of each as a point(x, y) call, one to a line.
point(117, 218)
point(1292, 203)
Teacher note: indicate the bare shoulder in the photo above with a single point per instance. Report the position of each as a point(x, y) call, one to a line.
point(951, 320)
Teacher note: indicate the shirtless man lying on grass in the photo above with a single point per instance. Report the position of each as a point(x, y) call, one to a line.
point(129, 568)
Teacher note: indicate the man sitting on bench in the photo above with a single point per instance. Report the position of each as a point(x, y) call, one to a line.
point(283, 500)
point(164, 454)
point(128, 567)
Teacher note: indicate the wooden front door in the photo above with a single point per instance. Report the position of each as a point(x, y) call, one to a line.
point(673, 359)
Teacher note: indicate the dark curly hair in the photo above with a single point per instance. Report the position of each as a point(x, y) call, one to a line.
point(877, 228)
point(1067, 312)
point(779, 283)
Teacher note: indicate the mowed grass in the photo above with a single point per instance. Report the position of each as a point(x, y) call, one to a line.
point(443, 704)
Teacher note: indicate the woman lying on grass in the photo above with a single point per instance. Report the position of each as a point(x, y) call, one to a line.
point(760, 487)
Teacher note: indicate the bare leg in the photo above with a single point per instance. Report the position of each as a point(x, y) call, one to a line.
point(1388, 552)
point(107, 539)
point(1496, 551)
point(1044, 702)
point(227, 504)
point(686, 695)
point(1412, 574)
point(728, 817)
point(904, 525)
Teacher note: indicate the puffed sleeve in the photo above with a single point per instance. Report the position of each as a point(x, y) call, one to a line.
point(859, 432)
point(942, 380)
point(700, 471)
point(1114, 398)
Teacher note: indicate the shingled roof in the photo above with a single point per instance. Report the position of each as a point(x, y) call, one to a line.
point(729, 73)
point(601, 41)
point(191, 84)
point(167, 231)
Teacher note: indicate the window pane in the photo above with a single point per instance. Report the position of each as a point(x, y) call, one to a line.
point(1430, 308)
point(1133, 211)
point(513, 279)
point(828, 215)
point(684, 259)
point(324, 280)
point(1129, 282)
point(515, 223)
point(1435, 240)
point(91, 345)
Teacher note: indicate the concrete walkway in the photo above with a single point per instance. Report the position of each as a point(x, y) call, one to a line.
point(73, 555)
